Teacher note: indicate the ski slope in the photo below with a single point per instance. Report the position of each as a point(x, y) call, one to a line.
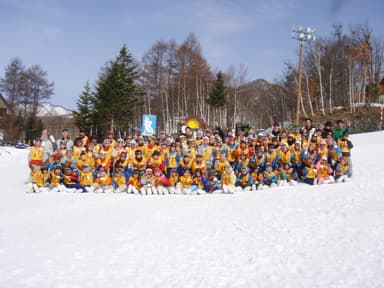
point(303, 236)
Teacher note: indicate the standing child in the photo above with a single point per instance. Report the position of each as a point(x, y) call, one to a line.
point(36, 155)
point(346, 145)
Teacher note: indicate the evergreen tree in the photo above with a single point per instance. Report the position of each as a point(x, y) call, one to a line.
point(117, 93)
point(84, 115)
point(217, 96)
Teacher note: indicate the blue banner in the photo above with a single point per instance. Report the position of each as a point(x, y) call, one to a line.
point(148, 125)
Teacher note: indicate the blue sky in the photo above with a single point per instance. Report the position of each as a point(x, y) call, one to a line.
point(73, 39)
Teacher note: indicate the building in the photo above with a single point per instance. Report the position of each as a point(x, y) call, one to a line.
point(5, 115)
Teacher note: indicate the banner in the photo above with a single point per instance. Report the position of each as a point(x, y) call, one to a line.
point(148, 125)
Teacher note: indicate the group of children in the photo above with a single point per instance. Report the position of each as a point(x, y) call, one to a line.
point(199, 163)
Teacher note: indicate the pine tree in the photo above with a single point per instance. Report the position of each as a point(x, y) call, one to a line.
point(84, 115)
point(117, 93)
point(217, 96)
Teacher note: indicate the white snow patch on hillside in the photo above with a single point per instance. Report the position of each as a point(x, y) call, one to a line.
point(321, 236)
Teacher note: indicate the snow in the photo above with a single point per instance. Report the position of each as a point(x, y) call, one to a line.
point(303, 236)
point(47, 109)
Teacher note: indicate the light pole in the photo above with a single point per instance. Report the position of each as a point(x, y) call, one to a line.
point(302, 34)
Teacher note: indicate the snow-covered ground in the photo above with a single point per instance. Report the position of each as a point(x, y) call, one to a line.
point(321, 236)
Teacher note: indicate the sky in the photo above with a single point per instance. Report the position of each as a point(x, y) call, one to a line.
point(72, 40)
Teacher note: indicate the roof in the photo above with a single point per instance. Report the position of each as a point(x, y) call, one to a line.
point(4, 104)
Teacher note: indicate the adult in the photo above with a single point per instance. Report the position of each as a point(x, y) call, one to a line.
point(341, 129)
point(46, 143)
point(276, 132)
point(65, 139)
point(327, 130)
point(308, 128)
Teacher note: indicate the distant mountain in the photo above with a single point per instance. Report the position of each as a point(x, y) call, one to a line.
point(46, 109)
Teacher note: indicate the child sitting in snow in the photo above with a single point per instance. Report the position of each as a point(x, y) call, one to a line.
point(270, 178)
point(134, 182)
point(56, 179)
point(160, 182)
point(70, 180)
point(288, 175)
point(310, 173)
point(342, 170)
point(38, 179)
point(86, 177)
point(228, 180)
point(147, 183)
point(244, 180)
point(119, 180)
point(185, 182)
point(173, 180)
point(324, 175)
point(199, 182)
point(103, 182)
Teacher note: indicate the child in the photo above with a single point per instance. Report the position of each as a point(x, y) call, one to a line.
point(155, 161)
point(244, 180)
point(220, 164)
point(342, 170)
point(228, 180)
point(310, 173)
point(36, 154)
point(287, 175)
point(199, 182)
point(103, 182)
point(86, 177)
point(257, 177)
point(213, 185)
point(56, 179)
point(324, 172)
point(346, 145)
point(173, 180)
point(70, 180)
point(270, 178)
point(147, 183)
point(185, 182)
point(134, 182)
point(119, 181)
point(38, 179)
point(160, 182)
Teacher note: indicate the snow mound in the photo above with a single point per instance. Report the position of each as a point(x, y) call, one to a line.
point(303, 236)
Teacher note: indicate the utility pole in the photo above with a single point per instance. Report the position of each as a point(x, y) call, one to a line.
point(302, 34)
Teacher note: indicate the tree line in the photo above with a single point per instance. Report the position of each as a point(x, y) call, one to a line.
point(175, 81)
